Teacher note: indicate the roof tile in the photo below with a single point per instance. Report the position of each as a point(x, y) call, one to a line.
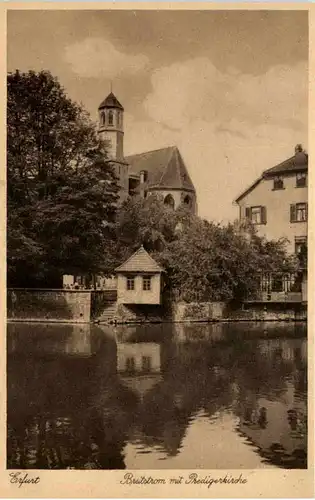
point(140, 261)
point(110, 101)
point(297, 163)
point(165, 168)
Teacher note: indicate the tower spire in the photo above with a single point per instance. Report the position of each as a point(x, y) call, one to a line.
point(111, 125)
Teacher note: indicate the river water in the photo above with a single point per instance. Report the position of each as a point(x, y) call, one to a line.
point(212, 396)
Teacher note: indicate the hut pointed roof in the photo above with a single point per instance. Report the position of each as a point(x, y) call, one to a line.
point(140, 261)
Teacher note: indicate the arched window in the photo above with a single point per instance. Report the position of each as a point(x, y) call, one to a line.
point(110, 118)
point(102, 118)
point(187, 201)
point(169, 201)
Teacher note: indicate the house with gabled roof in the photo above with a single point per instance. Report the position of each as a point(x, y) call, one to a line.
point(277, 202)
point(139, 279)
point(161, 171)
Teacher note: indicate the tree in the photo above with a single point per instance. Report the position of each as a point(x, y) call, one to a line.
point(204, 261)
point(62, 190)
point(210, 262)
point(145, 221)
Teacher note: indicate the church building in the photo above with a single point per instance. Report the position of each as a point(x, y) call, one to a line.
point(162, 171)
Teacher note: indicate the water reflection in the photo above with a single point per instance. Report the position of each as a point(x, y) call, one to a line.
point(139, 366)
point(173, 396)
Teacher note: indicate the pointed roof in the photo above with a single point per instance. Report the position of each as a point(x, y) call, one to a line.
point(110, 101)
point(140, 261)
point(165, 168)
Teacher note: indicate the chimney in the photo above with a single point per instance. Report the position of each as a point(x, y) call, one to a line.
point(298, 148)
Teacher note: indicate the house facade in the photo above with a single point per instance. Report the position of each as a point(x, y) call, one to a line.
point(139, 280)
point(161, 171)
point(277, 202)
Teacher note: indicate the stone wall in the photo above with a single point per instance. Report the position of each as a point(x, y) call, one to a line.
point(202, 311)
point(101, 300)
point(82, 306)
point(220, 311)
point(49, 305)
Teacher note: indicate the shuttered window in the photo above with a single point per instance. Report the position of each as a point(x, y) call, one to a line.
point(300, 244)
point(257, 215)
point(298, 212)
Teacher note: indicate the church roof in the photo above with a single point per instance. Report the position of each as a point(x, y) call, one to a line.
point(140, 261)
point(165, 168)
point(110, 101)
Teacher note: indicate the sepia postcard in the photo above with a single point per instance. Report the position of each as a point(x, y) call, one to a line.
point(157, 251)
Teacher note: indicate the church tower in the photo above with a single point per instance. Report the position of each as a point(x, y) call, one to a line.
point(111, 130)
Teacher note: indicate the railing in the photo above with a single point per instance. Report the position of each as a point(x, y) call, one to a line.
point(293, 297)
point(81, 283)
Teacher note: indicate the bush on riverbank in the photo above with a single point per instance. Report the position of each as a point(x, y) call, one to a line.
point(204, 261)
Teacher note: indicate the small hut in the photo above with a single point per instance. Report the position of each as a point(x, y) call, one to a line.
point(139, 279)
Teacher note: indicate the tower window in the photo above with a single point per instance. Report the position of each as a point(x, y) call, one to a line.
point(187, 201)
point(110, 118)
point(169, 201)
point(102, 118)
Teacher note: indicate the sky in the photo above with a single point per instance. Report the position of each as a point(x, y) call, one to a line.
point(228, 88)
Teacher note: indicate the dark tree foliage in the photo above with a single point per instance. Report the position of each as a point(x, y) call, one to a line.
point(61, 190)
point(144, 221)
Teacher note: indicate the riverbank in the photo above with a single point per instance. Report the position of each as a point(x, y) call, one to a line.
point(100, 307)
